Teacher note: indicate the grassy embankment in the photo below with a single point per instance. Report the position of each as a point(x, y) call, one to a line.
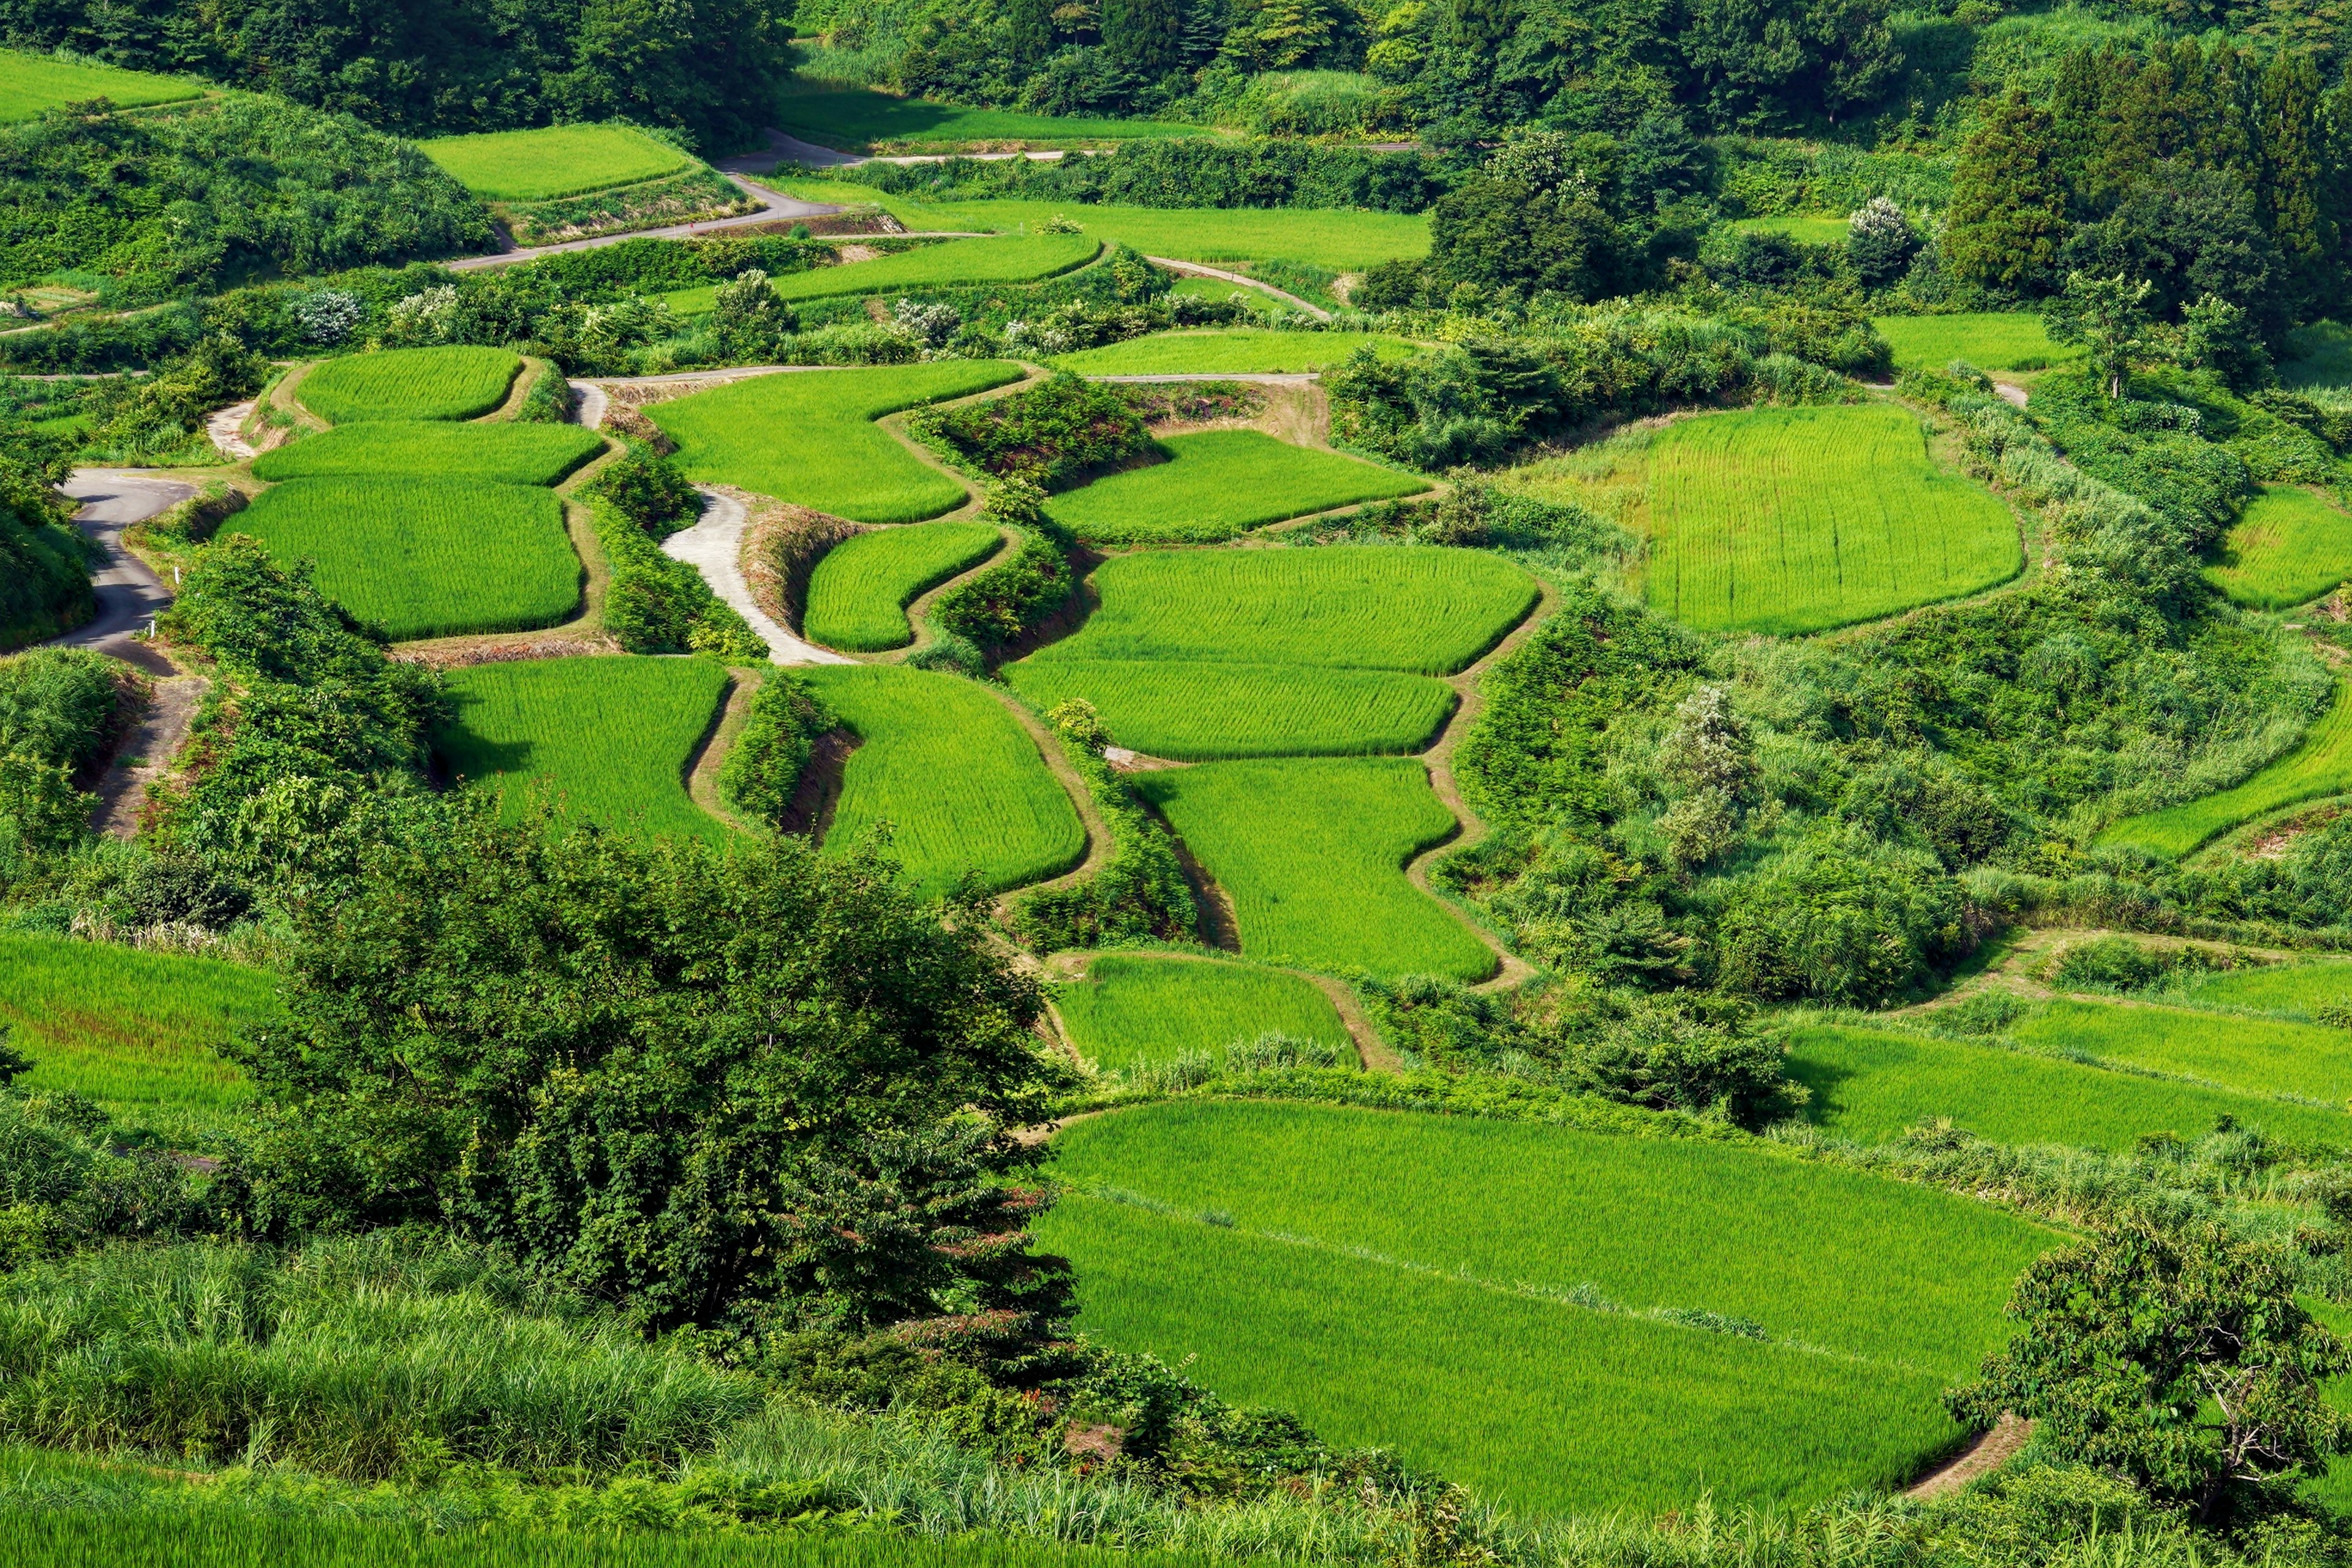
point(2321, 765)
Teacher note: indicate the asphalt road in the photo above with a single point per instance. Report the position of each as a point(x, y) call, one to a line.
point(128, 594)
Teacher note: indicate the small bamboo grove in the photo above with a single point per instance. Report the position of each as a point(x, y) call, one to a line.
point(1660, 835)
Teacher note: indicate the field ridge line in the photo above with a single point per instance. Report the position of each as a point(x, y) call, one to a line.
point(711, 753)
point(919, 609)
point(1200, 270)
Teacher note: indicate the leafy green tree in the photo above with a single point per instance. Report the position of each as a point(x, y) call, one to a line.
point(2108, 317)
point(2176, 1355)
point(2187, 232)
point(1511, 234)
point(2008, 216)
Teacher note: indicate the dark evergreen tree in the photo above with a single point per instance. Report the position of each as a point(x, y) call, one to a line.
point(2008, 216)
point(1146, 36)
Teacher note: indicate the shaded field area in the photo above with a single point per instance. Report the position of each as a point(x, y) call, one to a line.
point(1009, 258)
point(1563, 1320)
point(1874, 1084)
point(2287, 548)
point(423, 557)
point(608, 739)
point(137, 1032)
point(858, 595)
point(809, 438)
point(1798, 519)
point(501, 453)
point(553, 160)
point(951, 778)
point(1215, 484)
point(452, 383)
point(1133, 1008)
point(1312, 853)
point(2321, 765)
point(856, 119)
point(1244, 352)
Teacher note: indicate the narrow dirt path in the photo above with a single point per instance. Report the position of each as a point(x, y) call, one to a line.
point(919, 609)
point(130, 595)
point(702, 769)
point(226, 426)
point(1981, 1457)
point(146, 754)
point(1199, 270)
point(714, 547)
point(1091, 816)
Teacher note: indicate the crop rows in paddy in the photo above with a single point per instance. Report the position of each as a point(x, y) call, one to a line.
point(609, 738)
point(426, 557)
point(1217, 484)
point(499, 453)
point(452, 383)
point(1131, 1008)
point(2321, 765)
point(858, 595)
point(1797, 519)
point(808, 438)
point(960, 784)
point(1487, 1294)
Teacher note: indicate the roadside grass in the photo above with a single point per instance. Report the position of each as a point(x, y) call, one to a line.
point(1347, 241)
point(1007, 259)
point(2288, 547)
point(1989, 340)
point(1810, 228)
point(1217, 484)
point(610, 737)
point(1785, 520)
point(1236, 352)
point(501, 453)
point(855, 119)
point(553, 160)
point(426, 557)
point(2297, 990)
point(2321, 765)
point(31, 85)
point(1341, 606)
point(1194, 712)
point(450, 383)
point(1471, 1329)
point(858, 595)
point(1131, 1008)
point(2254, 1055)
point(1874, 1084)
point(136, 1031)
point(958, 783)
point(808, 437)
point(1312, 852)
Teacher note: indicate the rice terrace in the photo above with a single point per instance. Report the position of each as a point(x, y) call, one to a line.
point(1173, 786)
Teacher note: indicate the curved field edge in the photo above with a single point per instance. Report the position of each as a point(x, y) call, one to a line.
point(2320, 766)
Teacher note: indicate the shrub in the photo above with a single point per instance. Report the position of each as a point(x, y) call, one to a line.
point(1841, 920)
point(1050, 436)
point(763, 772)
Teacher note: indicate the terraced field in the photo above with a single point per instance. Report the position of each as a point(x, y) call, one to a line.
point(1133, 1008)
point(136, 1031)
point(610, 739)
point(1231, 351)
point(31, 85)
point(1007, 259)
point(2288, 547)
point(1312, 852)
point(1202, 713)
point(555, 160)
point(1797, 519)
point(858, 595)
point(857, 118)
point(809, 437)
point(2250, 1054)
point(1989, 340)
point(425, 558)
point(2294, 990)
point(1217, 484)
point(1557, 1319)
point(959, 782)
point(1872, 1084)
point(501, 453)
point(454, 383)
point(2320, 767)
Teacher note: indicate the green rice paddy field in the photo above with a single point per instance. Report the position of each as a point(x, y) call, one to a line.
point(136, 1031)
point(809, 438)
point(453, 383)
point(610, 737)
point(1312, 853)
point(1131, 1008)
point(856, 119)
point(2321, 765)
point(1219, 483)
point(2287, 548)
point(1872, 1084)
point(960, 784)
point(858, 595)
point(1799, 519)
point(1007, 259)
point(31, 85)
point(1989, 340)
point(1202, 713)
point(2291, 990)
point(555, 160)
point(1236, 352)
point(502, 453)
point(2249, 1055)
point(425, 558)
point(1471, 1329)
point(1345, 240)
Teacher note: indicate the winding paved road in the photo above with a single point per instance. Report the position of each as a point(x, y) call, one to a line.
point(128, 594)
point(714, 547)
